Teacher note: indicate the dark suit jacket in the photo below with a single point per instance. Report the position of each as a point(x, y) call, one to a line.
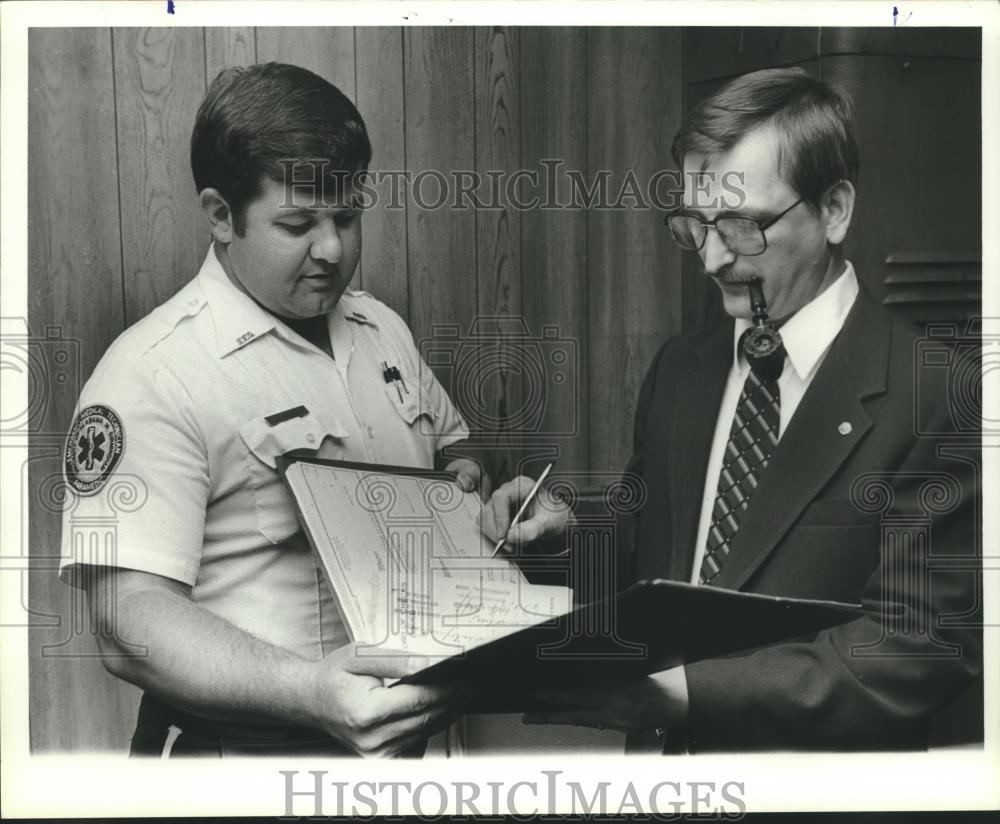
point(881, 516)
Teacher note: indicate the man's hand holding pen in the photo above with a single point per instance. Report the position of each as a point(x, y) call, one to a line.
point(653, 702)
point(545, 516)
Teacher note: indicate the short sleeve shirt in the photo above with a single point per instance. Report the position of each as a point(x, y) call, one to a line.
point(170, 463)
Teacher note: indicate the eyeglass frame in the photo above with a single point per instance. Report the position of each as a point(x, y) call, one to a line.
point(762, 226)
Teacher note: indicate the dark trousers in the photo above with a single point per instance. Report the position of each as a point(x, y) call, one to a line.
point(205, 737)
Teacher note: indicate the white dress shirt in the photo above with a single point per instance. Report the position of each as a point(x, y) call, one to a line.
point(209, 389)
point(807, 336)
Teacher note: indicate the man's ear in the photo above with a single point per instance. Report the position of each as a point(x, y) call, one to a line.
point(218, 213)
point(838, 208)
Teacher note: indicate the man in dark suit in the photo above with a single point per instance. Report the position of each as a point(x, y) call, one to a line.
point(840, 475)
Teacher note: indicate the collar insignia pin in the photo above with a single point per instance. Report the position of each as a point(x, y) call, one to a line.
point(845, 428)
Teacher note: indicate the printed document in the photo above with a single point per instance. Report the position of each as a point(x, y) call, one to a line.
point(408, 563)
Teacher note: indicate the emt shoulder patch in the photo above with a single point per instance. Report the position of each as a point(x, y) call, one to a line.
point(94, 446)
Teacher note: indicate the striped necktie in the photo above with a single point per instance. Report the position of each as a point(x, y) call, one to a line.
point(752, 438)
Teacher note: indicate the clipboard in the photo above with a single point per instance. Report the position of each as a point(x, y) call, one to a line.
point(402, 551)
point(650, 626)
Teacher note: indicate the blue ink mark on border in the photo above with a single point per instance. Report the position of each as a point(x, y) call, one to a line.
point(170, 7)
point(895, 13)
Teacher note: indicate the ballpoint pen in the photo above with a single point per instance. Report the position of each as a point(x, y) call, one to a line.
point(524, 506)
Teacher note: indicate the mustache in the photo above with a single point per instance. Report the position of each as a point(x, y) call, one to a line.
point(729, 275)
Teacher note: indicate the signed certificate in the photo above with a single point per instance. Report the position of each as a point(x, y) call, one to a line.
point(407, 561)
point(412, 573)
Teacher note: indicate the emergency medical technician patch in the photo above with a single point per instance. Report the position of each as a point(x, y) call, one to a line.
point(94, 445)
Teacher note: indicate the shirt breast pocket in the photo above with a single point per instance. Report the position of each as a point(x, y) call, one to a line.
point(411, 403)
point(265, 442)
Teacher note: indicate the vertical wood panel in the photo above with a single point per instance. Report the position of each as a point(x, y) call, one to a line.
point(498, 243)
point(160, 80)
point(75, 247)
point(227, 46)
point(440, 139)
point(554, 241)
point(498, 125)
point(380, 101)
point(635, 106)
point(327, 51)
point(75, 286)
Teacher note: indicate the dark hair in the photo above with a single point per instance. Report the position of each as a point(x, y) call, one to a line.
point(814, 122)
point(254, 120)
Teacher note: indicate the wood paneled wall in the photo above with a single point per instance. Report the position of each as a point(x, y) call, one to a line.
point(114, 230)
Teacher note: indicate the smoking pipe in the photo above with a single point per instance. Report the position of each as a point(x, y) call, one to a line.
point(762, 344)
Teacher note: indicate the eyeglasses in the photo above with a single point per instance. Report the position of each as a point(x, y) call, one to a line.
point(743, 235)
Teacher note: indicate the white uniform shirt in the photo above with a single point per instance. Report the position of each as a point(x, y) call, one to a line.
point(807, 336)
point(184, 396)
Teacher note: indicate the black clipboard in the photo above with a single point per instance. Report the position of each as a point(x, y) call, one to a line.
point(282, 462)
point(650, 626)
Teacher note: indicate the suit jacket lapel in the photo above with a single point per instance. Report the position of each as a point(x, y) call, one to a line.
point(816, 442)
point(691, 428)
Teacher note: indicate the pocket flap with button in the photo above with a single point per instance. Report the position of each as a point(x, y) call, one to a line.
point(268, 441)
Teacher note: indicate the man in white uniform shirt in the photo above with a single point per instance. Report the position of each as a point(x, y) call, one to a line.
point(210, 599)
point(787, 485)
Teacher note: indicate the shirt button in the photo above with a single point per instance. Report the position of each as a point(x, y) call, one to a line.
point(193, 302)
point(311, 438)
